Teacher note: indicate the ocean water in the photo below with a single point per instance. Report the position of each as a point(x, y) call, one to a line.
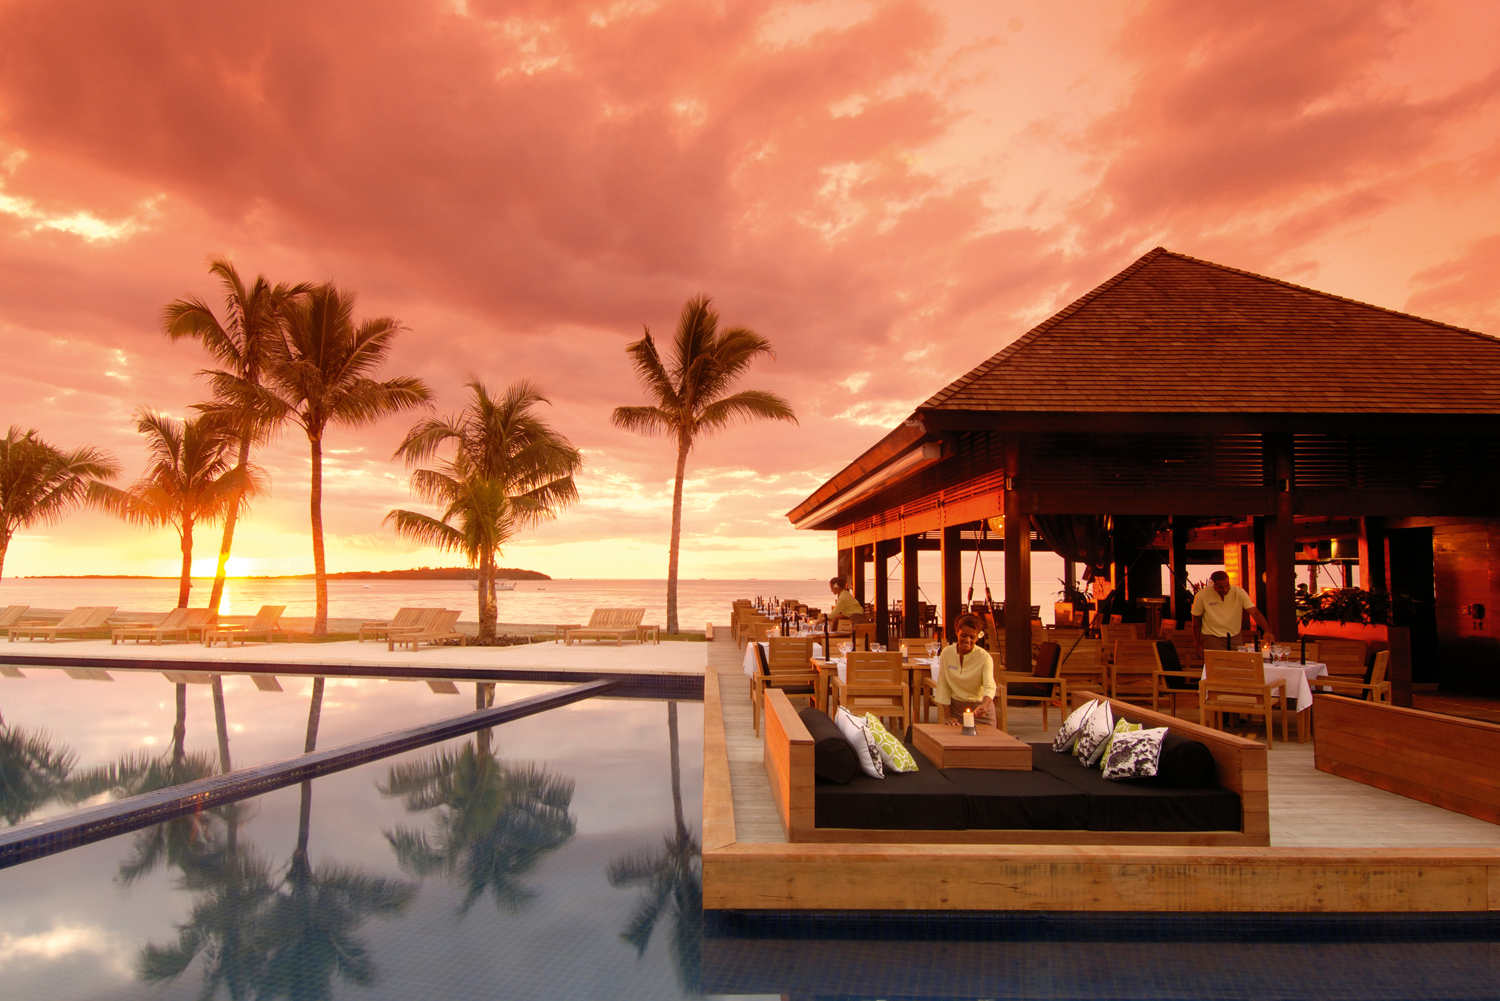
point(547, 601)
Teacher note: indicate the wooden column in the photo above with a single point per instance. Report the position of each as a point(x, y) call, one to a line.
point(884, 550)
point(1017, 565)
point(1179, 535)
point(1256, 572)
point(953, 577)
point(1281, 544)
point(857, 585)
point(1372, 572)
point(911, 623)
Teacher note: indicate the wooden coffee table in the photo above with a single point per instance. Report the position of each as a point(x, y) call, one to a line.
point(947, 747)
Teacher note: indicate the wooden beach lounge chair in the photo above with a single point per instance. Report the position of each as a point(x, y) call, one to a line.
point(265, 624)
point(83, 619)
point(11, 615)
point(183, 622)
point(439, 629)
point(617, 624)
point(411, 617)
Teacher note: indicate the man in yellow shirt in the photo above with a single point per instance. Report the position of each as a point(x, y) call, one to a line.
point(966, 677)
point(1218, 611)
point(846, 605)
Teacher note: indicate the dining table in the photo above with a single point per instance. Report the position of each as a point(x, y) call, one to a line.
point(1299, 677)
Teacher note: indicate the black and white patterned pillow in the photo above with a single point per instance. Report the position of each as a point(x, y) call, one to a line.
point(1134, 755)
point(1067, 734)
point(1095, 732)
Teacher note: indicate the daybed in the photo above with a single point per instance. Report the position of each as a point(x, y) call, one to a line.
point(617, 624)
point(1058, 802)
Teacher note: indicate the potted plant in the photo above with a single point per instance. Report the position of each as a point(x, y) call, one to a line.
point(1072, 609)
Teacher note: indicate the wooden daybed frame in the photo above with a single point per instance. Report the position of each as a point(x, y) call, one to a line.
point(1241, 769)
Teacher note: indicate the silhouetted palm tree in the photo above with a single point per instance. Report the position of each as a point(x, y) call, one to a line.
point(510, 470)
point(243, 343)
point(321, 377)
point(494, 821)
point(189, 480)
point(673, 880)
point(33, 770)
point(39, 482)
point(691, 401)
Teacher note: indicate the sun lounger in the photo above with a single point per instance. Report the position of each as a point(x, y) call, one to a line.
point(83, 619)
point(183, 622)
point(11, 615)
point(266, 623)
point(405, 619)
point(439, 629)
point(617, 624)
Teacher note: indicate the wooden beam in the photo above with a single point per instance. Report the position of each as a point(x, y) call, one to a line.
point(718, 798)
point(1372, 553)
point(857, 585)
point(1281, 542)
point(884, 550)
point(1209, 422)
point(953, 578)
point(910, 579)
point(1017, 565)
point(1178, 560)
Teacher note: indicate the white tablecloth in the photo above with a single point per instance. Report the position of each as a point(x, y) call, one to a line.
point(752, 665)
point(1297, 677)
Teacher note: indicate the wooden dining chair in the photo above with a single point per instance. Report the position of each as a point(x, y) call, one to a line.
point(1172, 679)
point(1376, 689)
point(874, 683)
point(1236, 683)
point(1132, 670)
point(1347, 660)
point(864, 635)
point(788, 667)
point(1041, 686)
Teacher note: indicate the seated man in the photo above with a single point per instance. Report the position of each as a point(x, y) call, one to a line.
point(966, 677)
point(847, 609)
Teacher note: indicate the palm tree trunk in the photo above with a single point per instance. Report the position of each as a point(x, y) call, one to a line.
point(676, 770)
point(488, 612)
point(304, 814)
point(186, 585)
point(484, 697)
point(314, 717)
point(179, 727)
point(221, 725)
point(683, 444)
point(217, 594)
point(320, 564)
point(4, 545)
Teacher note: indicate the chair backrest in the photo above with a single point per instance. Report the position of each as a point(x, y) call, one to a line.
point(95, 617)
point(875, 668)
point(409, 616)
point(1344, 657)
point(267, 617)
point(174, 619)
point(1377, 669)
point(599, 619)
point(1135, 659)
point(195, 618)
point(1167, 660)
point(1114, 632)
point(1048, 660)
point(444, 621)
point(76, 617)
point(791, 650)
point(864, 634)
point(12, 614)
point(1231, 667)
point(1080, 657)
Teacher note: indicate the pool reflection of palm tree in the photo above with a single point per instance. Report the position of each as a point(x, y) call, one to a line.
point(494, 820)
point(33, 770)
point(672, 879)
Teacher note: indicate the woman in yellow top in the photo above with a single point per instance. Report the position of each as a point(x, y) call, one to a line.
point(846, 606)
point(966, 677)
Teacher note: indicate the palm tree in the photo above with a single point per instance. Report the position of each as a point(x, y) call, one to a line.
point(244, 344)
point(510, 470)
point(673, 881)
point(189, 480)
point(33, 770)
point(320, 376)
point(495, 821)
point(690, 398)
point(39, 482)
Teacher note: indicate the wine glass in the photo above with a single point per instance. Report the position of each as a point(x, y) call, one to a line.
point(844, 647)
point(933, 649)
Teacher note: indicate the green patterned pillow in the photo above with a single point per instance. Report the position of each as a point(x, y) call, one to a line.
point(892, 754)
point(1121, 726)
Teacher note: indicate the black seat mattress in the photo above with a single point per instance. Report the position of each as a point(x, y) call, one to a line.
point(1058, 794)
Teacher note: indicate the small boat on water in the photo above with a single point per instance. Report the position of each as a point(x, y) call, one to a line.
point(500, 585)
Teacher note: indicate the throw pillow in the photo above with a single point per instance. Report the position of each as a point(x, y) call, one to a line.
point(1134, 755)
point(1067, 734)
point(1121, 726)
point(892, 755)
point(1094, 734)
point(1185, 764)
point(833, 758)
point(858, 735)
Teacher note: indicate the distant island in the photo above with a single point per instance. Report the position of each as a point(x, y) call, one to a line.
point(418, 573)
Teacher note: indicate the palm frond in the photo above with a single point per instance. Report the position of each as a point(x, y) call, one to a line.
point(645, 420)
point(747, 405)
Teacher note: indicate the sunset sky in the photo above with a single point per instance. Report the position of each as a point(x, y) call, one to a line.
point(889, 191)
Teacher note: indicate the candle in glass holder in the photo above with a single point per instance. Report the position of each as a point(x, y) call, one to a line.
point(968, 719)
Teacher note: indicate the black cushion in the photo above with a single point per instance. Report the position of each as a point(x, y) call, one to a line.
point(1132, 806)
point(1169, 662)
point(1184, 764)
point(760, 656)
point(833, 759)
point(1047, 660)
point(923, 800)
point(1005, 800)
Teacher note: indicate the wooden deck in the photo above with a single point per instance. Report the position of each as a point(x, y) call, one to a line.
point(1336, 845)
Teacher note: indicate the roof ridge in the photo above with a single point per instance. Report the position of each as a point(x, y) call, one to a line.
point(1004, 353)
point(1319, 292)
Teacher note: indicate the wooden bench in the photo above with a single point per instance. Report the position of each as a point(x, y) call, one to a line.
point(1447, 761)
point(788, 756)
point(617, 624)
